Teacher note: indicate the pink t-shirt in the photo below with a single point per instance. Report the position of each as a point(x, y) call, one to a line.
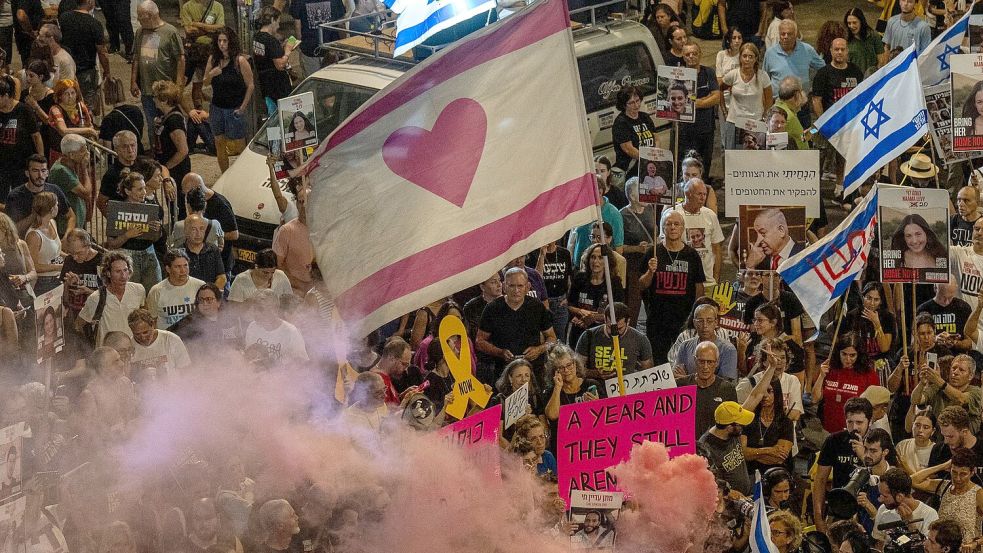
point(295, 253)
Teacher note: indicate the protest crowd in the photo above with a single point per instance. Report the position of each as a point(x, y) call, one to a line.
point(157, 398)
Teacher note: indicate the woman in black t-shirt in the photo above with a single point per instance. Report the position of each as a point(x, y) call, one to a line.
point(271, 56)
point(171, 144)
point(632, 128)
point(589, 292)
point(767, 441)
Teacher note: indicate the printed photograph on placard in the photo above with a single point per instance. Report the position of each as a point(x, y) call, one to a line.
point(655, 171)
point(770, 234)
point(938, 100)
point(750, 134)
point(914, 234)
point(50, 323)
point(777, 141)
point(676, 94)
point(11, 453)
point(297, 121)
point(975, 33)
point(967, 102)
point(594, 516)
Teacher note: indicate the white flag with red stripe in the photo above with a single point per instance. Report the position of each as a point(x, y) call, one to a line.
point(478, 155)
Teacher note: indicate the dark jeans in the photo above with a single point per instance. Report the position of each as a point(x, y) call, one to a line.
point(7, 41)
point(118, 25)
point(23, 46)
point(701, 140)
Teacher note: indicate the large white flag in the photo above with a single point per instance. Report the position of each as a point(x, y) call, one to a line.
point(822, 273)
point(933, 63)
point(878, 120)
point(476, 156)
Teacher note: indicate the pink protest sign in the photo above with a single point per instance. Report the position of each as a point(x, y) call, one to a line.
point(597, 435)
point(478, 433)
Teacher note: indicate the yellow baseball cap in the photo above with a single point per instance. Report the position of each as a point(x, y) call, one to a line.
point(730, 412)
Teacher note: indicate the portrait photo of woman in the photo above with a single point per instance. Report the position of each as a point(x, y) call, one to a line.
point(300, 132)
point(918, 244)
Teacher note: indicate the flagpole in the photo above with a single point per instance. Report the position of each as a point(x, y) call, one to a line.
point(615, 339)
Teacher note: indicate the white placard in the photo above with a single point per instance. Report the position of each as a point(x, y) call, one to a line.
point(772, 177)
point(516, 405)
point(649, 380)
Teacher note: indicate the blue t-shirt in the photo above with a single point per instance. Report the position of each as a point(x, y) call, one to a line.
point(548, 465)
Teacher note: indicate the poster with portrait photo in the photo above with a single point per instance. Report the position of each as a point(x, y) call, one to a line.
point(777, 141)
point(594, 516)
point(967, 102)
point(656, 172)
point(975, 33)
point(913, 224)
point(750, 134)
point(675, 92)
point(297, 121)
point(11, 454)
point(50, 323)
point(938, 101)
point(770, 234)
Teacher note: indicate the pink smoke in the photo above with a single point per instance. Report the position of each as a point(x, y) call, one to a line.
point(676, 499)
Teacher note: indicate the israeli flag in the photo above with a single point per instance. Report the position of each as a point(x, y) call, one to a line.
point(933, 63)
point(418, 20)
point(878, 120)
point(760, 528)
point(821, 274)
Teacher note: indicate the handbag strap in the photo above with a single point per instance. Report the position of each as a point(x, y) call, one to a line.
point(641, 224)
point(204, 16)
point(101, 306)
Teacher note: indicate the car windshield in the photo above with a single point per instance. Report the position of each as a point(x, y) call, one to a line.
point(334, 102)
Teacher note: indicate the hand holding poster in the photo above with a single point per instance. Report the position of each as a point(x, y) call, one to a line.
point(649, 380)
point(123, 216)
point(655, 171)
point(769, 235)
point(297, 121)
point(777, 141)
point(597, 435)
point(50, 323)
point(914, 230)
point(676, 93)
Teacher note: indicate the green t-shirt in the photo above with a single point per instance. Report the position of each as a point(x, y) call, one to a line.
point(194, 12)
point(67, 180)
point(158, 55)
point(792, 126)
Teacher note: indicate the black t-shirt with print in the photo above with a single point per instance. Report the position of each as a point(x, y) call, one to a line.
point(87, 272)
point(273, 82)
point(640, 132)
point(557, 271)
point(17, 128)
point(165, 147)
point(838, 454)
point(670, 295)
point(830, 84)
point(586, 295)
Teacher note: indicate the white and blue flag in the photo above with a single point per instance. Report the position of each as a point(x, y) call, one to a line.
point(933, 63)
point(418, 20)
point(878, 120)
point(760, 541)
point(822, 273)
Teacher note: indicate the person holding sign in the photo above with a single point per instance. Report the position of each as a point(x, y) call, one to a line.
point(589, 292)
point(568, 384)
point(146, 269)
point(673, 280)
point(516, 374)
point(596, 346)
point(632, 128)
point(639, 227)
point(700, 134)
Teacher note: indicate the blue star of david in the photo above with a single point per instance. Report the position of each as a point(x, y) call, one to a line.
point(944, 57)
point(876, 109)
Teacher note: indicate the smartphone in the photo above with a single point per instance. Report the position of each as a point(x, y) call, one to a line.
point(592, 390)
point(933, 361)
point(292, 41)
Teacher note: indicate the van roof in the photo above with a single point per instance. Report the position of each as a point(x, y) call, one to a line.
point(375, 53)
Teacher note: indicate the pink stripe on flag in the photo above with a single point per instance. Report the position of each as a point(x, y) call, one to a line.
point(468, 250)
point(513, 34)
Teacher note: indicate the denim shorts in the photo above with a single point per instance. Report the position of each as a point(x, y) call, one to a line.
point(225, 122)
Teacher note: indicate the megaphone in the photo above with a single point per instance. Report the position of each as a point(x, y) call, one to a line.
point(842, 502)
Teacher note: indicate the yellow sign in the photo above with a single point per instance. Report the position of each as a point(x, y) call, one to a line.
point(466, 387)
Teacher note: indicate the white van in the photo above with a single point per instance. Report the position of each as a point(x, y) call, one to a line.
point(610, 56)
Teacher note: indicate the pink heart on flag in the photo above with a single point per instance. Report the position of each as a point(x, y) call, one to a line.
point(445, 159)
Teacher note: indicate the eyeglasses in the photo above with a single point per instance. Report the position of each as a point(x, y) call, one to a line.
point(567, 367)
point(700, 322)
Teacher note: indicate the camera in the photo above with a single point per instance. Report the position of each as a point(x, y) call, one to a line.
point(900, 539)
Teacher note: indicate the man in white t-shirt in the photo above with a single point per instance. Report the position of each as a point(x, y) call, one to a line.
point(173, 298)
point(966, 266)
point(897, 504)
point(157, 354)
point(282, 341)
point(122, 297)
point(703, 230)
